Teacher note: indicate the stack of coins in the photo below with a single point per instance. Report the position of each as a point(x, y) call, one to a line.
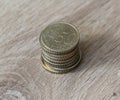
point(60, 47)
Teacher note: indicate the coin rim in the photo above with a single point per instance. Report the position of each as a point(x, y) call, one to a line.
point(60, 57)
point(64, 63)
point(58, 70)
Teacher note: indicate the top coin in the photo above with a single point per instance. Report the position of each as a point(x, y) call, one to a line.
point(59, 37)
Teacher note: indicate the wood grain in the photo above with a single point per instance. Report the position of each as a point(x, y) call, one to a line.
point(21, 74)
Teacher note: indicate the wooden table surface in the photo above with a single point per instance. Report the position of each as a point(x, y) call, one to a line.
point(21, 74)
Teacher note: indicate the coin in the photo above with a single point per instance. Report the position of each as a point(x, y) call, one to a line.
point(58, 70)
point(59, 37)
point(62, 64)
point(60, 57)
point(60, 47)
point(60, 60)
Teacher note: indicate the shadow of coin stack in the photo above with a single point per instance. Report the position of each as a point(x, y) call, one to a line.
point(60, 47)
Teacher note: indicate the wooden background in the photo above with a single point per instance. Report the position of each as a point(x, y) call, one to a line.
point(21, 74)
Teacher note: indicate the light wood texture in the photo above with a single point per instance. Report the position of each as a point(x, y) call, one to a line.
point(21, 74)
